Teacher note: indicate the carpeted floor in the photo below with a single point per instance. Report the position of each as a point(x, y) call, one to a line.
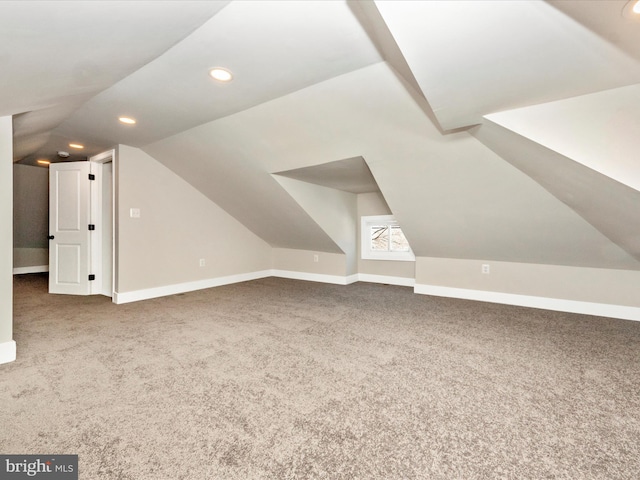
point(283, 379)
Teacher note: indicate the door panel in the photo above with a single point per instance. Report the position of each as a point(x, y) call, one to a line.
point(69, 261)
point(69, 228)
point(69, 197)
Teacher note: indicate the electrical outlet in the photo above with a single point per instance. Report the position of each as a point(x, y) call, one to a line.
point(486, 268)
point(202, 262)
point(316, 257)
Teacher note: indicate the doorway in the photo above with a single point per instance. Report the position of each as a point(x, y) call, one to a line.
point(102, 243)
point(81, 227)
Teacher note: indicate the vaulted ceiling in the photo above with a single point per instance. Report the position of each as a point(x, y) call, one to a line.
point(494, 130)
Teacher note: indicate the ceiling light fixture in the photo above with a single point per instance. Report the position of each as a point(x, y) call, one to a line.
point(127, 120)
point(221, 74)
point(631, 10)
point(76, 145)
point(43, 162)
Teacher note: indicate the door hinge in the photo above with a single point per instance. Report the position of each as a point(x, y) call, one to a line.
point(92, 176)
point(92, 277)
point(92, 226)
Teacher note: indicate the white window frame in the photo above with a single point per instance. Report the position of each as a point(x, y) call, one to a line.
point(366, 253)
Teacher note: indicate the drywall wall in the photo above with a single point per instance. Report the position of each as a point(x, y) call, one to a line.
point(291, 260)
point(7, 347)
point(456, 198)
point(374, 204)
point(610, 207)
point(30, 260)
point(177, 227)
point(30, 216)
point(453, 196)
point(597, 285)
point(333, 210)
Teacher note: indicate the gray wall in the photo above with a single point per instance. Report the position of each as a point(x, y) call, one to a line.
point(333, 210)
point(303, 261)
point(598, 285)
point(30, 216)
point(177, 227)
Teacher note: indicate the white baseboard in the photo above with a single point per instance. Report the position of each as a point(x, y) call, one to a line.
point(34, 269)
point(348, 280)
point(386, 279)
point(7, 352)
point(556, 304)
point(145, 294)
point(127, 297)
point(315, 277)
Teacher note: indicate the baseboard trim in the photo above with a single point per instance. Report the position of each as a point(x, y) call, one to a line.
point(315, 277)
point(8, 352)
point(137, 295)
point(148, 293)
point(34, 269)
point(386, 279)
point(556, 304)
point(349, 279)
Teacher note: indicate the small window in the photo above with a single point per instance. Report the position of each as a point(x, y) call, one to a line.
point(382, 239)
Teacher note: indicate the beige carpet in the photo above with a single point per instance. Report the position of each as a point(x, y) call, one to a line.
point(281, 379)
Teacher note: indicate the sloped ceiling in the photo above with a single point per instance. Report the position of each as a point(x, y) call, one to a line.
point(395, 84)
point(273, 48)
point(608, 205)
point(599, 130)
point(471, 58)
point(349, 175)
point(609, 19)
point(55, 56)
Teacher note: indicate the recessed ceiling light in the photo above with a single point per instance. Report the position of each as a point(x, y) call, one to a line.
point(76, 145)
point(43, 162)
point(631, 10)
point(127, 120)
point(221, 74)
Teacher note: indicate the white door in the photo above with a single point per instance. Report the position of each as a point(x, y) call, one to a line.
point(69, 234)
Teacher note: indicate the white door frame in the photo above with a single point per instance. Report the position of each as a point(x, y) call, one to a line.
point(97, 163)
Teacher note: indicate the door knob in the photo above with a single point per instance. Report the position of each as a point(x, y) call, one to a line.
point(51, 237)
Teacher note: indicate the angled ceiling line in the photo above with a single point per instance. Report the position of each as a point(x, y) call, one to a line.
point(606, 204)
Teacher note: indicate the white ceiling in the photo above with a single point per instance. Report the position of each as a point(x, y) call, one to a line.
point(162, 80)
point(609, 19)
point(591, 129)
point(150, 59)
point(349, 175)
point(53, 51)
point(472, 57)
point(394, 83)
point(57, 55)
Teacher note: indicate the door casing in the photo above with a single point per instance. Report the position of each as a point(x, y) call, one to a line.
point(84, 202)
